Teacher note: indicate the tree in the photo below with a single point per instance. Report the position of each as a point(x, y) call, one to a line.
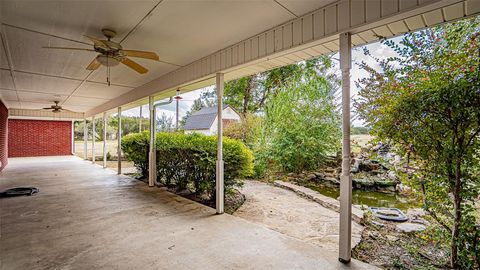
point(426, 101)
point(301, 124)
point(165, 123)
point(249, 95)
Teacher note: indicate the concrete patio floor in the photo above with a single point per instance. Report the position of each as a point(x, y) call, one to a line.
point(86, 217)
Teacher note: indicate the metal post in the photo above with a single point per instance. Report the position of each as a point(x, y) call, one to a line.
point(93, 139)
point(104, 140)
point(119, 138)
point(345, 178)
point(152, 155)
point(219, 176)
point(85, 139)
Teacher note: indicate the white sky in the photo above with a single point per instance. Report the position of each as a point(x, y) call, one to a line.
point(376, 49)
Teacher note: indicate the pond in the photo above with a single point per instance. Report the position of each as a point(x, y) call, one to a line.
point(371, 198)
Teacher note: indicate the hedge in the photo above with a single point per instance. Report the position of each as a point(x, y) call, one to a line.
point(188, 161)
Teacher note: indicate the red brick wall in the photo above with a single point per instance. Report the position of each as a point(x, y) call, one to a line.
point(3, 136)
point(29, 138)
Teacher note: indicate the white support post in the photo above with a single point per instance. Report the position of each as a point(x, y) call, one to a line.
point(119, 138)
point(73, 137)
point(345, 178)
point(220, 196)
point(152, 155)
point(93, 139)
point(104, 140)
point(85, 139)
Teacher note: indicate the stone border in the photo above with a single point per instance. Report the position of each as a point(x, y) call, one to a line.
point(327, 202)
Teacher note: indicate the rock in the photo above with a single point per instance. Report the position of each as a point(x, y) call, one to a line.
point(356, 165)
point(404, 189)
point(311, 176)
point(392, 238)
point(329, 170)
point(360, 183)
point(389, 189)
point(319, 174)
point(290, 178)
point(415, 212)
point(332, 180)
point(379, 224)
point(391, 175)
point(385, 183)
point(374, 166)
point(329, 175)
point(408, 227)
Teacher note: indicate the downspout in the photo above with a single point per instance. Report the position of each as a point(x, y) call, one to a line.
point(153, 146)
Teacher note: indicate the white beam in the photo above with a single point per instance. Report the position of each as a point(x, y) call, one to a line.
point(93, 139)
point(152, 154)
point(119, 138)
point(220, 196)
point(104, 140)
point(345, 178)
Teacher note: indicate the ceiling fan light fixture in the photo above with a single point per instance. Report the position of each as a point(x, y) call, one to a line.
point(107, 60)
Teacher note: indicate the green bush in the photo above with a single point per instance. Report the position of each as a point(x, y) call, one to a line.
point(188, 161)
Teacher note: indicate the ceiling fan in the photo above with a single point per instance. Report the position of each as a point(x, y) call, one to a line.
point(112, 53)
point(55, 108)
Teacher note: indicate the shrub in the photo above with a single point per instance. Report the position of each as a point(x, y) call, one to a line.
point(135, 146)
point(188, 161)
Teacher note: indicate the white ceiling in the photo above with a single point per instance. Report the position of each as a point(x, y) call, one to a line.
point(179, 31)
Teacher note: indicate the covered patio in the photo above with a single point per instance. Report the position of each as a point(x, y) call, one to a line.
point(86, 217)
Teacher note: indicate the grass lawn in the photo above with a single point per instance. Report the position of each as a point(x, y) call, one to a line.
point(111, 147)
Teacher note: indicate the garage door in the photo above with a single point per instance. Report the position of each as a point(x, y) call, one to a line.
point(31, 138)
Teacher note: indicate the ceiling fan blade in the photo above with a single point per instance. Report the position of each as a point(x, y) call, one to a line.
point(133, 65)
point(94, 65)
point(65, 48)
point(49, 108)
point(141, 54)
point(97, 42)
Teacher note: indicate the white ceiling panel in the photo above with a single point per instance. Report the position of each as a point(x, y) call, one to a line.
point(39, 97)
point(183, 31)
point(76, 108)
point(9, 95)
point(28, 55)
point(3, 56)
point(72, 19)
point(12, 104)
point(45, 84)
point(300, 7)
point(84, 101)
point(125, 76)
point(98, 90)
point(6, 81)
point(34, 105)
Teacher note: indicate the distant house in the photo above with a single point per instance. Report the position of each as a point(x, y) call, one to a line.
point(205, 121)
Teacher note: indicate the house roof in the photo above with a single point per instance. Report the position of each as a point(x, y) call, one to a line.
point(202, 119)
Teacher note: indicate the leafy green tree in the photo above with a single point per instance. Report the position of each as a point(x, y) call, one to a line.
point(301, 125)
point(426, 101)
